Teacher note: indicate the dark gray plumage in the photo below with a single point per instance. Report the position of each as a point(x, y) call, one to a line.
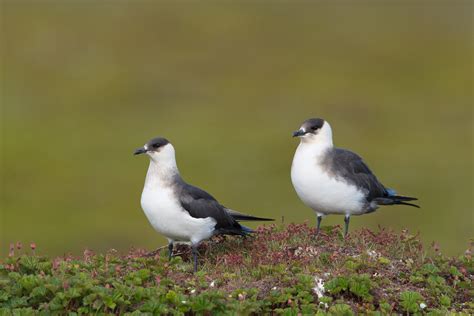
point(200, 204)
point(350, 167)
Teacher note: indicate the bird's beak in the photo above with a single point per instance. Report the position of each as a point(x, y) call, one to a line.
point(299, 133)
point(140, 151)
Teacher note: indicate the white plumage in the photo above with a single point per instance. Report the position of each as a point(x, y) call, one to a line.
point(319, 190)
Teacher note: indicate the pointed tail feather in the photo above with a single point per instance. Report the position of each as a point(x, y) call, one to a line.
point(403, 198)
point(409, 204)
point(396, 200)
point(244, 217)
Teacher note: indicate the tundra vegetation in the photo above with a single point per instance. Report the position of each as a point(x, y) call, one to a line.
point(278, 270)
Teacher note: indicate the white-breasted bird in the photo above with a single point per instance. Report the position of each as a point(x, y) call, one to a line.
point(181, 212)
point(331, 180)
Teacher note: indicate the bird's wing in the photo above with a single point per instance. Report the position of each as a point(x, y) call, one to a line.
point(353, 169)
point(200, 204)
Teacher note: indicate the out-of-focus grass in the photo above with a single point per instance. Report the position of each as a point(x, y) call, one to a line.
point(86, 83)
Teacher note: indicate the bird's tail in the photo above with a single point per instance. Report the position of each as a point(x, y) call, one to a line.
point(244, 217)
point(236, 230)
point(397, 200)
point(246, 230)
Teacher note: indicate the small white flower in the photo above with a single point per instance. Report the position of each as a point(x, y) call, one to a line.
point(372, 253)
point(298, 251)
point(422, 305)
point(212, 284)
point(319, 288)
point(183, 302)
point(274, 288)
point(193, 291)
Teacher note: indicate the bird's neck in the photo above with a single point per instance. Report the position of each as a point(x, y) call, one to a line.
point(161, 173)
point(315, 147)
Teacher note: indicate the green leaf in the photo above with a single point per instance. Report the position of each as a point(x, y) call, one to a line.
point(337, 285)
point(360, 286)
point(445, 301)
point(429, 268)
point(341, 310)
point(410, 301)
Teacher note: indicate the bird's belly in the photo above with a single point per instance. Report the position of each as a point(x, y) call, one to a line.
point(325, 194)
point(168, 218)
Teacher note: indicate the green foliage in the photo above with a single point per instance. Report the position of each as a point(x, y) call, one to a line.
point(358, 285)
point(341, 309)
point(410, 301)
point(445, 301)
point(384, 260)
point(429, 269)
point(351, 265)
point(385, 308)
point(337, 285)
point(277, 271)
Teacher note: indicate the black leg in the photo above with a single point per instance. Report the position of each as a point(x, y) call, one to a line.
point(195, 256)
point(320, 218)
point(346, 220)
point(170, 250)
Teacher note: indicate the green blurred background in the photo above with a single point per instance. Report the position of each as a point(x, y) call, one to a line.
point(84, 83)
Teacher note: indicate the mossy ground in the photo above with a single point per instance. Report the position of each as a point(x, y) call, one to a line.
point(279, 270)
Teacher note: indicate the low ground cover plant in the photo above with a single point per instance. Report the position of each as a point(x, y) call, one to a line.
point(279, 270)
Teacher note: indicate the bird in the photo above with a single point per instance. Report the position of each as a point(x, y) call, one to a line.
point(333, 180)
point(182, 212)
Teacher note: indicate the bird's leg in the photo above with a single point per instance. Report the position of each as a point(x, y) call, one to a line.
point(346, 220)
point(320, 218)
point(170, 250)
point(194, 248)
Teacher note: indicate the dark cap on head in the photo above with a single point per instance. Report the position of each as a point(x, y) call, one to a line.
point(311, 125)
point(153, 145)
point(157, 142)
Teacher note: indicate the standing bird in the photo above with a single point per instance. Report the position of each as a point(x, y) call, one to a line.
point(331, 180)
point(182, 212)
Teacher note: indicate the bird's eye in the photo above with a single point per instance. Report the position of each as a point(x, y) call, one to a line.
point(156, 145)
point(314, 128)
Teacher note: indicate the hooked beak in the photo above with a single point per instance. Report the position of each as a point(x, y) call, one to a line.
point(139, 151)
point(299, 133)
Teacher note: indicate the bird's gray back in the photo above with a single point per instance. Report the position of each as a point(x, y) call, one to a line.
point(200, 204)
point(348, 166)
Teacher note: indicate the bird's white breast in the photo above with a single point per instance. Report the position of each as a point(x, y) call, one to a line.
point(166, 215)
point(319, 190)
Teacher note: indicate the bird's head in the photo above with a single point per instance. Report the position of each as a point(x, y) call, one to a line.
point(159, 150)
point(314, 130)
